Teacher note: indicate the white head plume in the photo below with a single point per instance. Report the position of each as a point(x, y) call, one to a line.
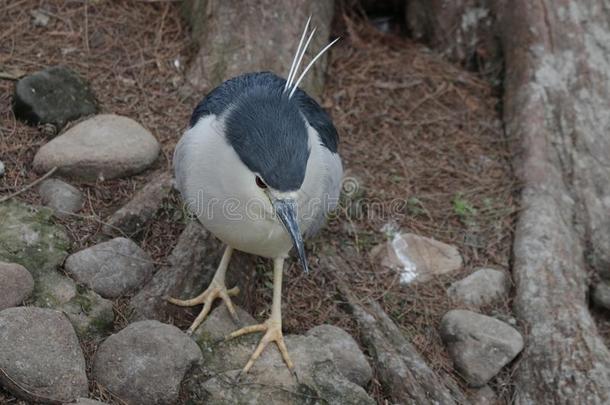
point(292, 72)
point(291, 84)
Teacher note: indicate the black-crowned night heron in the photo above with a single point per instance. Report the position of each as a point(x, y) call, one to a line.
point(260, 170)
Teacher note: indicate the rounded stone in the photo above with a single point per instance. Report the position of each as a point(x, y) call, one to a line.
point(40, 356)
point(60, 196)
point(479, 345)
point(53, 96)
point(483, 396)
point(484, 286)
point(29, 237)
point(348, 357)
point(146, 362)
point(103, 147)
point(111, 268)
point(1, 168)
point(91, 315)
point(16, 284)
point(87, 401)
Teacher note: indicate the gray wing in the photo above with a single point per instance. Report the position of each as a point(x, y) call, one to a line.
point(179, 162)
point(332, 189)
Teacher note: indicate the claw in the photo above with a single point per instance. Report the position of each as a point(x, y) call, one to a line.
point(295, 375)
point(215, 290)
point(273, 333)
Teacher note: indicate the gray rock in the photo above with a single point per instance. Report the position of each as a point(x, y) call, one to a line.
point(479, 345)
point(40, 356)
point(348, 357)
point(87, 401)
point(91, 315)
point(417, 258)
point(146, 362)
point(16, 284)
point(29, 237)
point(484, 286)
point(60, 196)
point(269, 381)
point(601, 294)
point(483, 396)
point(53, 96)
point(219, 324)
point(103, 147)
point(1, 168)
point(130, 219)
point(111, 268)
point(53, 290)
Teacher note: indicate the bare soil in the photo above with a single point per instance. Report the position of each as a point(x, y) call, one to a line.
point(421, 142)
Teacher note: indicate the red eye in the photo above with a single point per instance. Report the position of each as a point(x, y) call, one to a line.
point(260, 182)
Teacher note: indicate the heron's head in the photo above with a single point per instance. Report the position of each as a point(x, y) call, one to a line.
point(270, 135)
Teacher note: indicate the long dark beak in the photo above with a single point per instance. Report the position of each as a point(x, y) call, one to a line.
point(286, 211)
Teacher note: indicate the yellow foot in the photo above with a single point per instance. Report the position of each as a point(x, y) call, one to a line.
point(215, 290)
point(273, 333)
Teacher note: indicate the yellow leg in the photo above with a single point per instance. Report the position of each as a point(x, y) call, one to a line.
point(216, 289)
point(273, 326)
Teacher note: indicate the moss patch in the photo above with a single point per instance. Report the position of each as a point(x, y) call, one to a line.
point(29, 237)
point(51, 290)
point(91, 315)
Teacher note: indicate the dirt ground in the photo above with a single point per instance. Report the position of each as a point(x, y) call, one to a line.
point(421, 142)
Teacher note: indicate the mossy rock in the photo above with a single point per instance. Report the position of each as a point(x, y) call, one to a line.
point(91, 315)
point(28, 236)
point(52, 290)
